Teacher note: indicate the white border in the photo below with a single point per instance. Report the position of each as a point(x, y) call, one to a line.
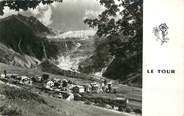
point(163, 94)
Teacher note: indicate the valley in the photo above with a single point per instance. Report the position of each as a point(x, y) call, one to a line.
point(30, 49)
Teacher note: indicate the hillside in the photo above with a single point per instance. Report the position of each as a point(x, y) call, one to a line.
point(31, 22)
point(45, 104)
point(29, 103)
point(25, 35)
point(11, 57)
point(122, 67)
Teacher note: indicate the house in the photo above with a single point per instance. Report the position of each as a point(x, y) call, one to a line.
point(2, 76)
point(8, 75)
point(15, 76)
point(95, 87)
point(78, 89)
point(87, 88)
point(70, 86)
point(49, 84)
point(26, 80)
point(57, 83)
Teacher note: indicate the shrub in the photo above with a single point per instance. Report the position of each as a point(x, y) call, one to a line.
point(9, 110)
point(19, 93)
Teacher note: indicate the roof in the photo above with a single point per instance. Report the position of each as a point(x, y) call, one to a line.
point(24, 77)
point(79, 86)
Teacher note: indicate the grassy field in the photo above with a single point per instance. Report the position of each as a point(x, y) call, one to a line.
point(26, 103)
point(29, 103)
point(20, 102)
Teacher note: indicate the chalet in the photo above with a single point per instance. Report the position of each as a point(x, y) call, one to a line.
point(87, 88)
point(49, 84)
point(70, 86)
point(2, 76)
point(57, 83)
point(8, 75)
point(78, 89)
point(26, 80)
point(95, 87)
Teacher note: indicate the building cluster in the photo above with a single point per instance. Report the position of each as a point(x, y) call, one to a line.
point(70, 86)
point(67, 89)
point(20, 79)
point(60, 85)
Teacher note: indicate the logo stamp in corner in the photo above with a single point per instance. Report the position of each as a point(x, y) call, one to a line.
point(161, 33)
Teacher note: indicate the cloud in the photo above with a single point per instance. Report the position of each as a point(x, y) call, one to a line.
point(55, 4)
point(92, 13)
point(43, 13)
point(7, 12)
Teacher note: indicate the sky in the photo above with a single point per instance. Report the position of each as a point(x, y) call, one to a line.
point(70, 13)
point(65, 16)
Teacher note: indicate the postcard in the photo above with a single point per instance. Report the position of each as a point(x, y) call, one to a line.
point(91, 58)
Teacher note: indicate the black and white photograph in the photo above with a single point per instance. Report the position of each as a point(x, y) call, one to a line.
point(71, 57)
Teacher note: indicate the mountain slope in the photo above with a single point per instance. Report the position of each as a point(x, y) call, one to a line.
point(49, 67)
point(9, 56)
point(31, 22)
point(26, 35)
point(114, 67)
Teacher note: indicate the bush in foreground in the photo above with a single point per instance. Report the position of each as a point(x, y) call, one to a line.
point(19, 93)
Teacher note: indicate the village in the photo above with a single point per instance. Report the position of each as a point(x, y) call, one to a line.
point(87, 93)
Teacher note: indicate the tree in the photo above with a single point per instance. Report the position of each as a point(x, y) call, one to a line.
point(23, 4)
point(120, 24)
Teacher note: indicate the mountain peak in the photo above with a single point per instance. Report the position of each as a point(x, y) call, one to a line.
point(31, 22)
point(24, 35)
